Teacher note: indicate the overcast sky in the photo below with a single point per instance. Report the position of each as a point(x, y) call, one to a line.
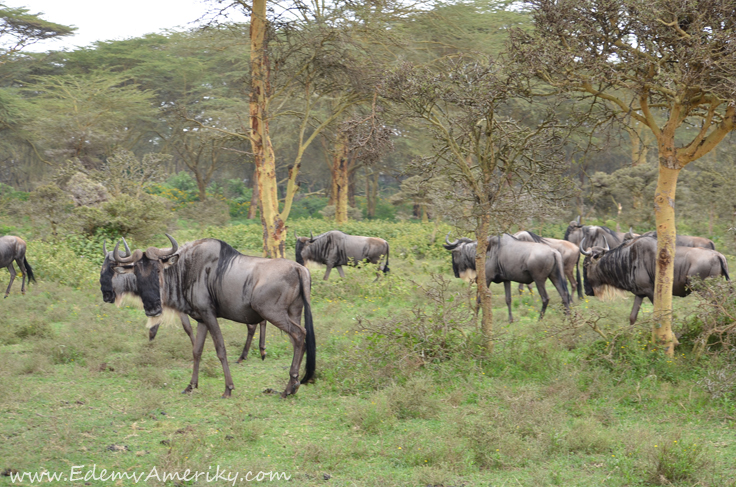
point(101, 20)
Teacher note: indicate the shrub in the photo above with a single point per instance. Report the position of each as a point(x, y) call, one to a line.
point(208, 212)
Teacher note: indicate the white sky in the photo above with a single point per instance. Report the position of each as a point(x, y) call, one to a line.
point(102, 20)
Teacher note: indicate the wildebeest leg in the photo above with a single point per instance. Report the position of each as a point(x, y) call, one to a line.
point(219, 341)
point(635, 309)
point(545, 298)
point(187, 326)
point(246, 347)
point(298, 335)
point(507, 290)
point(342, 273)
point(262, 340)
point(23, 273)
point(197, 355)
point(12, 278)
point(327, 272)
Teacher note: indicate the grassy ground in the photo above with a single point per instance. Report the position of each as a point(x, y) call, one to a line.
point(404, 394)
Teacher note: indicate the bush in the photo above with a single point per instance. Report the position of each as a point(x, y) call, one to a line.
point(208, 212)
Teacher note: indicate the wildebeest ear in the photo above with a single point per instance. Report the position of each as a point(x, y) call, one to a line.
point(124, 269)
point(170, 261)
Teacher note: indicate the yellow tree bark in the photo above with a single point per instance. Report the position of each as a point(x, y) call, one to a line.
point(340, 180)
point(265, 159)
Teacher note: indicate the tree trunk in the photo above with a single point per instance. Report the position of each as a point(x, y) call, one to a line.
point(484, 292)
point(664, 213)
point(425, 218)
point(254, 200)
point(201, 186)
point(265, 160)
point(340, 180)
point(371, 194)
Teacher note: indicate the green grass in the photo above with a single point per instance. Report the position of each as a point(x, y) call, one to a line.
point(401, 397)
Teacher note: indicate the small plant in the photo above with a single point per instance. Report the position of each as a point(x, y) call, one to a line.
point(677, 460)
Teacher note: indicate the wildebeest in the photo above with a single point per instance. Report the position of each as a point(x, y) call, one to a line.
point(509, 259)
point(680, 240)
point(569, 252)
point(336, 249)
point(14, 249)
point(594, 235)
point(632, 267)
point(208, 279)
point(119, 287)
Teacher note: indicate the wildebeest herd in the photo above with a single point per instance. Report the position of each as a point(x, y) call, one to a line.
point(209, 279)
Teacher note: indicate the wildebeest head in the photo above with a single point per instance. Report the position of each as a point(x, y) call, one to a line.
point(574, 232)
point(148, 267)
point(113, 288)
point(590, 264)
point(463, 257)
point(302, 248)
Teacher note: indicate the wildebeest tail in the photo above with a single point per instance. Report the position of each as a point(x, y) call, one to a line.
point(561, 278)
point(577, 276)
point(724, 267)
point(385, 266)
point(305, 291)
point(31, 277)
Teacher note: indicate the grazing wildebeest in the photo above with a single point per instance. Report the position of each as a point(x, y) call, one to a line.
point(632, 267)
point(509, 259)
point(570, 256)
point(119, 287)
point(680, 240)
point(14, 249)
point(336, 249)
point(208, 279)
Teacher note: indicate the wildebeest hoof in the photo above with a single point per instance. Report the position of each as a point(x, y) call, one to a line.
point(188, 389)
point(228, 392)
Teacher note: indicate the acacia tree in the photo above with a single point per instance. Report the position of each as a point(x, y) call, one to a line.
point(677, 59)
point(19, 29)
point(499, 168)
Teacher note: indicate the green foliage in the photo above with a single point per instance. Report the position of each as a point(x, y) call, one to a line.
point(308, 207)
point(678, 460)
point(60, 263)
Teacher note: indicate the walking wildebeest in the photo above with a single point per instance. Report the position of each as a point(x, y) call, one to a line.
point(336, 249)
point(570, 256)
point(119, 287)
point(208, 279)
point(509, 259)
point(14, 249)
point(680, 240)
point(632, 267)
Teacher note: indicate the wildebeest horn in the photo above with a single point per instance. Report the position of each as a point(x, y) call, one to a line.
point(577, 220)
point(447, 239)
point(295, 235)
point(607, 247)
point(311, 237)
point(104, 247)
point(119, 258)
point(582, 249)
point(127, 249)
point(631, 231)
point(154, 253)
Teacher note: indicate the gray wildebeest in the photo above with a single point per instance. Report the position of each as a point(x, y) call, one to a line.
point(14, 249)
point(511, 260)
point(336, 249)
point(119, 288)
point(631, 267)
point(208, 279)
point(594, 235)
point(570, 257)
point(680, 240)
